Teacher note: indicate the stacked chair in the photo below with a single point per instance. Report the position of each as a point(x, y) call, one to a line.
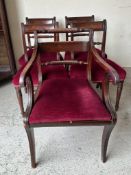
point(58, 96)
point(27, 36)
point(97, 75)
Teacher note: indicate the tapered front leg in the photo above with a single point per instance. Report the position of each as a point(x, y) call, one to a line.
point(31, 139)
point(105, 138)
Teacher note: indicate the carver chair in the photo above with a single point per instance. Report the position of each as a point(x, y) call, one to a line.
point(67, 102)
point(97, 75)
point(27, 36)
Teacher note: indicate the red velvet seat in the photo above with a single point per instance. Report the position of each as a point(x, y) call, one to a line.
point(33, 72)
point(68, 100)
point(79, 71)
point(50, 56)
point(52, 72)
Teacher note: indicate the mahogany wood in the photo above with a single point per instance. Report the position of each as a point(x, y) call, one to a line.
point(25, 81)
point(78, 19)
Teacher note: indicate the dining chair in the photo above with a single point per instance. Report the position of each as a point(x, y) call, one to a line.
point(67, 102)
point(97, 75)
point(76, 19)
point(27, 35)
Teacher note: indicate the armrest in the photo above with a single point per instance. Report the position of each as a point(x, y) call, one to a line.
point(27, 68)
point(110, 71)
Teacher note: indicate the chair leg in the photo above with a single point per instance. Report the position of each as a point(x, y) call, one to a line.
point(20, 100)
point(31, 139)
point(118, 95)
point(105, 138)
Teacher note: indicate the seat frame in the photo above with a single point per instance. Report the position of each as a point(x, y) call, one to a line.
point(25, 81)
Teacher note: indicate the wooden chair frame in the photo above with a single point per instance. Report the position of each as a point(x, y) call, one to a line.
point(78, 19)
point(41, 21)
point(100, 26)
point(25, 81)
point(27, 34)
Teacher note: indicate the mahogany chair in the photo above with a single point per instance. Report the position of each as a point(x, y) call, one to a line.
point(77, 19)
point(97, 75)
point(77, 102)
point(45, 21)
point(27, 35)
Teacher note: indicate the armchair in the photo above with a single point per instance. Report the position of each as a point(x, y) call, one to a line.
point(97, 75)
point(58, 71)
point(67, 102)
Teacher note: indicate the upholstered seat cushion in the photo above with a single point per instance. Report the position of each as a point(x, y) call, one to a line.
point(80, 56)
point(48, 72)
point(98, 74)
point(55, 71)
point(45, 56)
point(68, 100)
point(79, 71)
point(33, 73)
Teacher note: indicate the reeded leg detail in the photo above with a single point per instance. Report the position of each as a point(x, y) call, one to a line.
point(31, 139)
point(118, 95)
point(105, 138)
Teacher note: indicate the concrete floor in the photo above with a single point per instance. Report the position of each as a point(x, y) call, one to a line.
point(65, 150)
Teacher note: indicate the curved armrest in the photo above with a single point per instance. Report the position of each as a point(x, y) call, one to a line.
point(110, 71)
point(27, 68)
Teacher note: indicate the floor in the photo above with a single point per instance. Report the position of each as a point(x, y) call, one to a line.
point(64, 150)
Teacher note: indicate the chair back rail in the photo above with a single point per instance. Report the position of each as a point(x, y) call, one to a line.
point(28, 34)
point(41, 20)
point(77, 19)
point(96, 26)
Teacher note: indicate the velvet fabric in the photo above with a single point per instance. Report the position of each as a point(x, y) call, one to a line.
point(45, 56)
point(22, 60)
point(98, 74)
point(80, 56)
point(79, 71)
point(53, 72)
point(68, 100)
point(33, 73)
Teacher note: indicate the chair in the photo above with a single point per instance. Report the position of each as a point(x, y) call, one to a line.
point(77, 102)
point(27, 35)
point(97, 76)
point(45, 21)
point(78, 19)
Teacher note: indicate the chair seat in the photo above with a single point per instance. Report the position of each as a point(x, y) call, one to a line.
point(34, 75)
point(49, 72)
point(51, 56)
point(68, 100)
point(79, 71)
point(98, 74)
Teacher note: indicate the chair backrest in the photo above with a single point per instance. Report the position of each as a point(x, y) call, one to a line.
point(41, 20)
point(28, 35)
point(79, 19)
point(95, 26)
point(44, 21)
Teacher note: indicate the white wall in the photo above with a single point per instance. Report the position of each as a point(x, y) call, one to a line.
point(117, 13)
